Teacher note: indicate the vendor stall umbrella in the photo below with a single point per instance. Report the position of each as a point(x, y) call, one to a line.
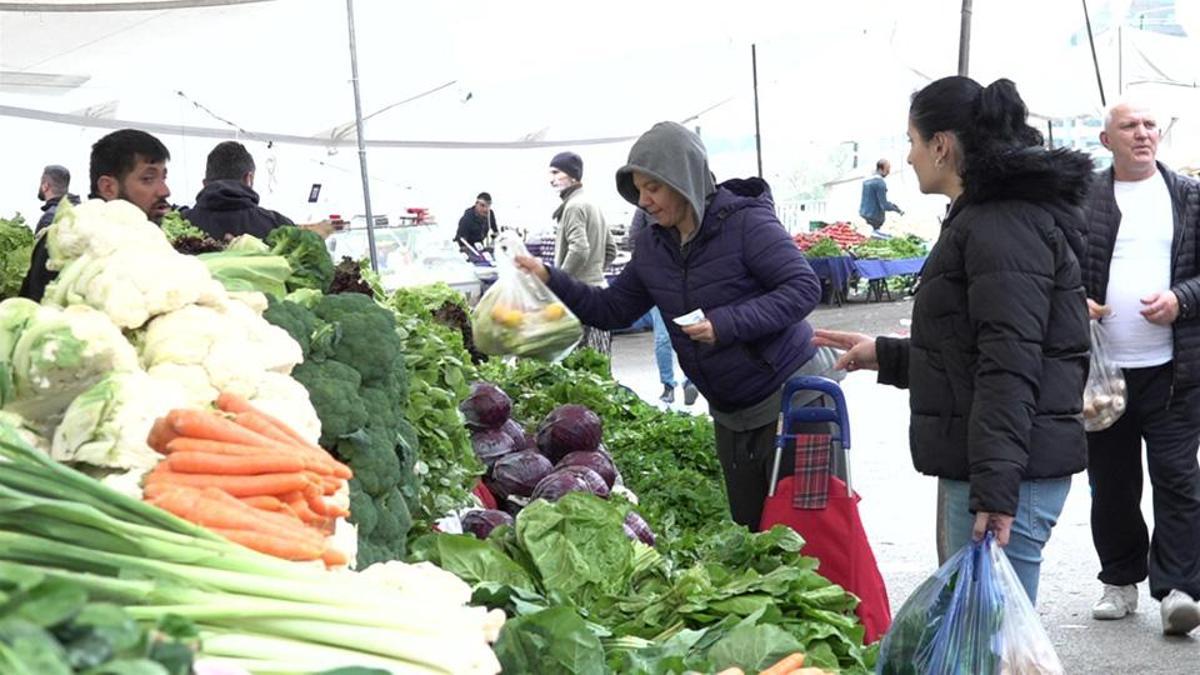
point(362, 148)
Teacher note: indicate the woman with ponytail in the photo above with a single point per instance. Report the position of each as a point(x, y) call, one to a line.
point(998, 356)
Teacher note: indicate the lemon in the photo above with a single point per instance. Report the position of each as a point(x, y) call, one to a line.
point(553, 311)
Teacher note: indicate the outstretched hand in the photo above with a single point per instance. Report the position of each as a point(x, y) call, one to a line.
point(858, 349)
point(533, 266)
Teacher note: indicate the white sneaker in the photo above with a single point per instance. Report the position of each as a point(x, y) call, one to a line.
point(1180, 613)
point(1117, 602)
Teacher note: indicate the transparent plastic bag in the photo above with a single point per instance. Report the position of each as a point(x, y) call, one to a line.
point(1104, 396)
point(971, 617)
point(519, 315)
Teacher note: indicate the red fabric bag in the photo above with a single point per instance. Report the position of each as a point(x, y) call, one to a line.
point(835, 536)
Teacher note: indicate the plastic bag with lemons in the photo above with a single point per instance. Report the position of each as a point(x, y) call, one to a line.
point(519, 315)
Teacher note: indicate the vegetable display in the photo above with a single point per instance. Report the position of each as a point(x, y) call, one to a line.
point(909, 246)
point(251, 610)
point(16, 247)
point(587, 598)
point(356, 378)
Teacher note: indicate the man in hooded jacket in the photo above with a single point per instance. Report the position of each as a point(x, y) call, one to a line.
point(227, 206)
point(722, 250)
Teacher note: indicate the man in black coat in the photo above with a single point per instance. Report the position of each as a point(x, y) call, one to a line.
point(53, 188)
point(477, 222)
point(228, 207)
point(1143, 282)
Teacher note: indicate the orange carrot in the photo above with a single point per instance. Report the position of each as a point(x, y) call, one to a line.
point(212, 427)
point(160, 434)
point(333, 558)
point(259, 424)
point(214, 508)
point(280, 547)
point(299, 504)
point(204, 462)
point(330, 485)
point(268, 503)
point(785, 665)
point(237, 486)
point(233, 403)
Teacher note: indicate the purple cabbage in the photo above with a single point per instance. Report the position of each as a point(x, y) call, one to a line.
point(569, 479)
point(491, 444)
point(518, 473)
point(486, 407)
point(597, 460)
point(521, 440)
point(638, 529)
point(481, 523)
point(568, 428)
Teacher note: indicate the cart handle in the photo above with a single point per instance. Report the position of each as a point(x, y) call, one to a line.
point(836, 414)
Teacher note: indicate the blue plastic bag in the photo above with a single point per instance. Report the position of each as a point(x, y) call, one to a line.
point(971, 617)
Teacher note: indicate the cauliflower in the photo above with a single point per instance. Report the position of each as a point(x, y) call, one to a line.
point(132, 287)
point(230, 342)
point(107, 425)
point(192, 378)
point(49, 356)
point(286, 399)
point(99, 228)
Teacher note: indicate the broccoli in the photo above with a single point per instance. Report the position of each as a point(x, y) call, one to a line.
point(305, 252)
point(299, 322)
point(333, 389)
point(365, 335)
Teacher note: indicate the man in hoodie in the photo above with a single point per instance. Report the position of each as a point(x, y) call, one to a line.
point(52, 189)
point(227, 206)
point(722, 250)
point(584, 246)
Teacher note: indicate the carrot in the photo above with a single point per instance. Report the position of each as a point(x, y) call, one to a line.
point(213, 508)
point(203, 462)
point(269, 503)
point(330, 485)
point(237, 486)
point(185, 444)
point(297, 502)
point(280, 547)
point(786, 665)
point(333, 558)
point(212, 427)
point(160, 434)
point(260, 423)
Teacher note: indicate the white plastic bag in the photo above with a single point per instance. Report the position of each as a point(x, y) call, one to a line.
point(519, 315)
point(1104, 396)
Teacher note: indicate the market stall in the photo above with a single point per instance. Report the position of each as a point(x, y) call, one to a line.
point(841, 256)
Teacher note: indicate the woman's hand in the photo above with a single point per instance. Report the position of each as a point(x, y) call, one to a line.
point(701, 332)
point(858, 349)
point(1097, 310)
point(533, 266)
point(999, 523)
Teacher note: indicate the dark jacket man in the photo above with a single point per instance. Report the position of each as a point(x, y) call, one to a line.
point(230, 208)
point(998, 356)
point(1103, 218)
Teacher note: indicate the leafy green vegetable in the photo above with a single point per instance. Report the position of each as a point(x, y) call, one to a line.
point(176, 227)
point(896, 248)
point(306, 253)
point(248, 265)
point(825, 248)
point(554, 640)
point(16, 247)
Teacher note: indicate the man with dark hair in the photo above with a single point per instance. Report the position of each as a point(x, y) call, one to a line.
point(56, 181)
point(477, 222)
point(128, 164)
point(227, 206)
point(874, 202)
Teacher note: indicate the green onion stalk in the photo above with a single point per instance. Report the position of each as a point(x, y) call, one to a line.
point(254, 611)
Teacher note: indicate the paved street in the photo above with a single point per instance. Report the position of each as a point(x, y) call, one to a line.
point(898, 508)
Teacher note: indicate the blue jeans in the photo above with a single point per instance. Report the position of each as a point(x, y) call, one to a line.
point(1038, 508)
point(662, 350)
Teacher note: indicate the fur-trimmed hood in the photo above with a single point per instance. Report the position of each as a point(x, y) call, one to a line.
point(1030, 174)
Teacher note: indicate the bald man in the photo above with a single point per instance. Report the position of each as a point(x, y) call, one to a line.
point(1143, 282)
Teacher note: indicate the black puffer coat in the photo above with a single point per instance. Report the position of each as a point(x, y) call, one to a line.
point(998, 356)
point(1103, 218)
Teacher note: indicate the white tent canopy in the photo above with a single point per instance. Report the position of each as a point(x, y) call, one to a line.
point(475, 95)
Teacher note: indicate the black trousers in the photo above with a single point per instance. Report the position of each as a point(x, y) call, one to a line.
point(1128, 554)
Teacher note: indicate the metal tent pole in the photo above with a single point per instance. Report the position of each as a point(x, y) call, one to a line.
point(1095, 61)
point(362, 148)
point(964, 39)
point(757, 129)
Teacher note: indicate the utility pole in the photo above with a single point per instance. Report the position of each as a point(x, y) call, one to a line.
point(964, 40)
point(362, 147)
point(757, 128)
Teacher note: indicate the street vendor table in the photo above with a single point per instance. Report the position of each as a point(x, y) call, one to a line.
point(876, 273)
point(837, 271)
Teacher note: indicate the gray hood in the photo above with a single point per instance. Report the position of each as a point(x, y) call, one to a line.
point(674, 155)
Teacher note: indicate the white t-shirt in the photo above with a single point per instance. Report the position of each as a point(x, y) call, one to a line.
point(1141, 267)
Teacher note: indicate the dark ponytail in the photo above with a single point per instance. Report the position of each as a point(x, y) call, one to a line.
point(985, 120)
